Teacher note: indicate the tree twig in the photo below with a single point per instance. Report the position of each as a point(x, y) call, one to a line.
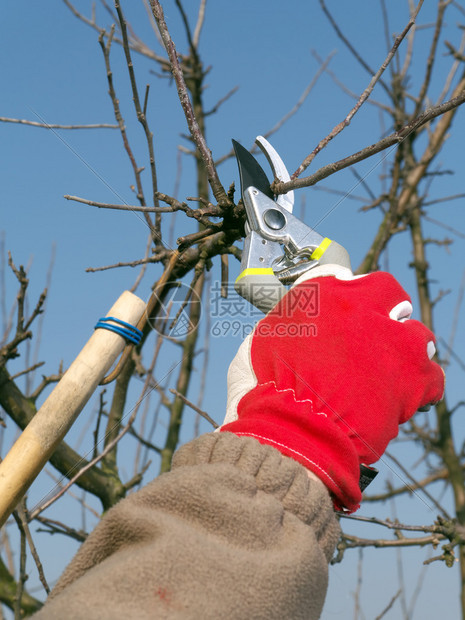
point(21, 520)
point(57, 527)
point(190, 404)
point(27, 370)
point(20, 121)
point(431, 57)
point(391, 140)
point(303, 96)
point(22, 570)
point(141, 117)
point(105, 47)
point(199, 24)
point(136, 43)
point(116, 207)
point(347, 90)
point(389, 605)
point(134, 263)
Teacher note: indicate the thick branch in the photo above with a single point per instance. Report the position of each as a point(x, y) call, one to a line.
point(21, 410)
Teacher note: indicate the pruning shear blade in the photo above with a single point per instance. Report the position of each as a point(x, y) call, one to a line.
point(278, 247)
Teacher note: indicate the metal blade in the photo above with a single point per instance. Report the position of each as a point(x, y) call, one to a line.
point(250, 172)
point(279, 170)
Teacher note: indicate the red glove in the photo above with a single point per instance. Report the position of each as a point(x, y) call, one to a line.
point(330, 373)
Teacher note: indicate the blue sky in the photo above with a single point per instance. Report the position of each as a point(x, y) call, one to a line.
point(52, 69)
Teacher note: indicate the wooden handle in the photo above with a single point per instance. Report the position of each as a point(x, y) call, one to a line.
point(53, 420)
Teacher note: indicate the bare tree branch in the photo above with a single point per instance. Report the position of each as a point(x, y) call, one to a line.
point(391, 140)
point(105, 47)
point(20, 121)
point(136, 43)
point(106, 205)
point(200, 23)
point(432, 56)
point(203, 414)
point(141, 117)
point(192, 123)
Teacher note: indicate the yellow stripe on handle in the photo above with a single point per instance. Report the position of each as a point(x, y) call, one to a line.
point(256, 271)
point(321, 249)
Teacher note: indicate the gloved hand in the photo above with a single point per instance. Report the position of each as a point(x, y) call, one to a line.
point(329, 384)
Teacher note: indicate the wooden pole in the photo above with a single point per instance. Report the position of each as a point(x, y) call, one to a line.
point(39, 439)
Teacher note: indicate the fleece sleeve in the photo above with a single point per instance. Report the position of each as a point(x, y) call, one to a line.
point(235, 530)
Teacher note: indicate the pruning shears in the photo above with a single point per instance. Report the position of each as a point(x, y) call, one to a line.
point(278, 247)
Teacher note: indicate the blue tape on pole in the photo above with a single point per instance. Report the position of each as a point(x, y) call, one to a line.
point(126, 330)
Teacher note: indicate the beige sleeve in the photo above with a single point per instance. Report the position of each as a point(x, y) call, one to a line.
point(234, 531)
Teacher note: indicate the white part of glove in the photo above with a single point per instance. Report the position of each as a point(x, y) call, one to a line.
point(341, 273)
point(241, 379)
